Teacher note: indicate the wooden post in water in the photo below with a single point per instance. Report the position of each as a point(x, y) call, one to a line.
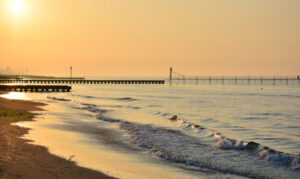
point(248, 80)
point(171, 71)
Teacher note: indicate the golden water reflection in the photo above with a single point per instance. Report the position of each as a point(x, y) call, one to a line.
point(15, 95)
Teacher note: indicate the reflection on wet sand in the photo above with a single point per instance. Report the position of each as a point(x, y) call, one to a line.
point(15, 95)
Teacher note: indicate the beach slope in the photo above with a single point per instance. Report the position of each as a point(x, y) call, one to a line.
point(18, 159)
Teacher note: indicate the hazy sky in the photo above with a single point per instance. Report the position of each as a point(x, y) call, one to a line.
point(146, 37)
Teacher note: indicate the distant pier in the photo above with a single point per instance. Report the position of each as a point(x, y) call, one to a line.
point(179, 78)
point(36, 88)
point(79, 81)
point(175, 78)
point(234, 80)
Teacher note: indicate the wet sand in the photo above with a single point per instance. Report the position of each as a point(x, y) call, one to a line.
point(18, 159)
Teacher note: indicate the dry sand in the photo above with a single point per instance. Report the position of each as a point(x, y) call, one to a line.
point(18, 159)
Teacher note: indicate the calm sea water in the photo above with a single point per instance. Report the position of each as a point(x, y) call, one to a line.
point(183, 131)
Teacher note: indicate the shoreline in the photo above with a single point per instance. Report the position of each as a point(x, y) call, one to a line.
point(19, 159)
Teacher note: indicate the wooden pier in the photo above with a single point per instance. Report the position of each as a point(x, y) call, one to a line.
point(235, 80)
point(36, 88)
point(32, 77)
point(81, 81)
point(183, 79)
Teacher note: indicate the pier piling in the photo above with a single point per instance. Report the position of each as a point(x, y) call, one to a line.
point(36, 88)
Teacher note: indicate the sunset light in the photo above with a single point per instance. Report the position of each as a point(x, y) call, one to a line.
point(17, 7)
point(145, 89)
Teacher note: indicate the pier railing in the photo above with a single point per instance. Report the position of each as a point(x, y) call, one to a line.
point(175, 78)
point(235, 80)
point(179, 78)
point(174, 81)
point(80, 81)
point(32, 77)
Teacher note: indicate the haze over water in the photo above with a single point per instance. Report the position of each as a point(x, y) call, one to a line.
point(145, 38)
point(157, 131)
point(130, 131)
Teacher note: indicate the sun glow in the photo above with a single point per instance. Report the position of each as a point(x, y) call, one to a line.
point(15, 95)
point(17, 7)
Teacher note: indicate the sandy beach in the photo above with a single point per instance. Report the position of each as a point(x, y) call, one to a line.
point(18, 159)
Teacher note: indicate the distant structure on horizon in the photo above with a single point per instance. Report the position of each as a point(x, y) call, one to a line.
point(178, 78)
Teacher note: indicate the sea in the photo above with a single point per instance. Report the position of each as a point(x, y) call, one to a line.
point(179, 131)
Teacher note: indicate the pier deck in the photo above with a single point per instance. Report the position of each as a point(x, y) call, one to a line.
point(36, 88)
point(80, 81)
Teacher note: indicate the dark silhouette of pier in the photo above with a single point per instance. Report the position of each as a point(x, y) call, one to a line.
point(174, 78)
point(178, 78)
point(32, 77)
point(29, 79)
point(79, 81)
point(36, 88)
point(234, 80)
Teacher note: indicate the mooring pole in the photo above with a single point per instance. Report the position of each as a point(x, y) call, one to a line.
point(248, 80)
point(71, 72)
point(171, 71)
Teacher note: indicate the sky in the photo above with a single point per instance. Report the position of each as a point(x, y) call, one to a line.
point(147, 37)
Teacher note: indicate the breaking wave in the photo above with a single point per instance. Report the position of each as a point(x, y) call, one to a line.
point(265, 153)
point(245, 158)
point(228, 155)
point(175, 146)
